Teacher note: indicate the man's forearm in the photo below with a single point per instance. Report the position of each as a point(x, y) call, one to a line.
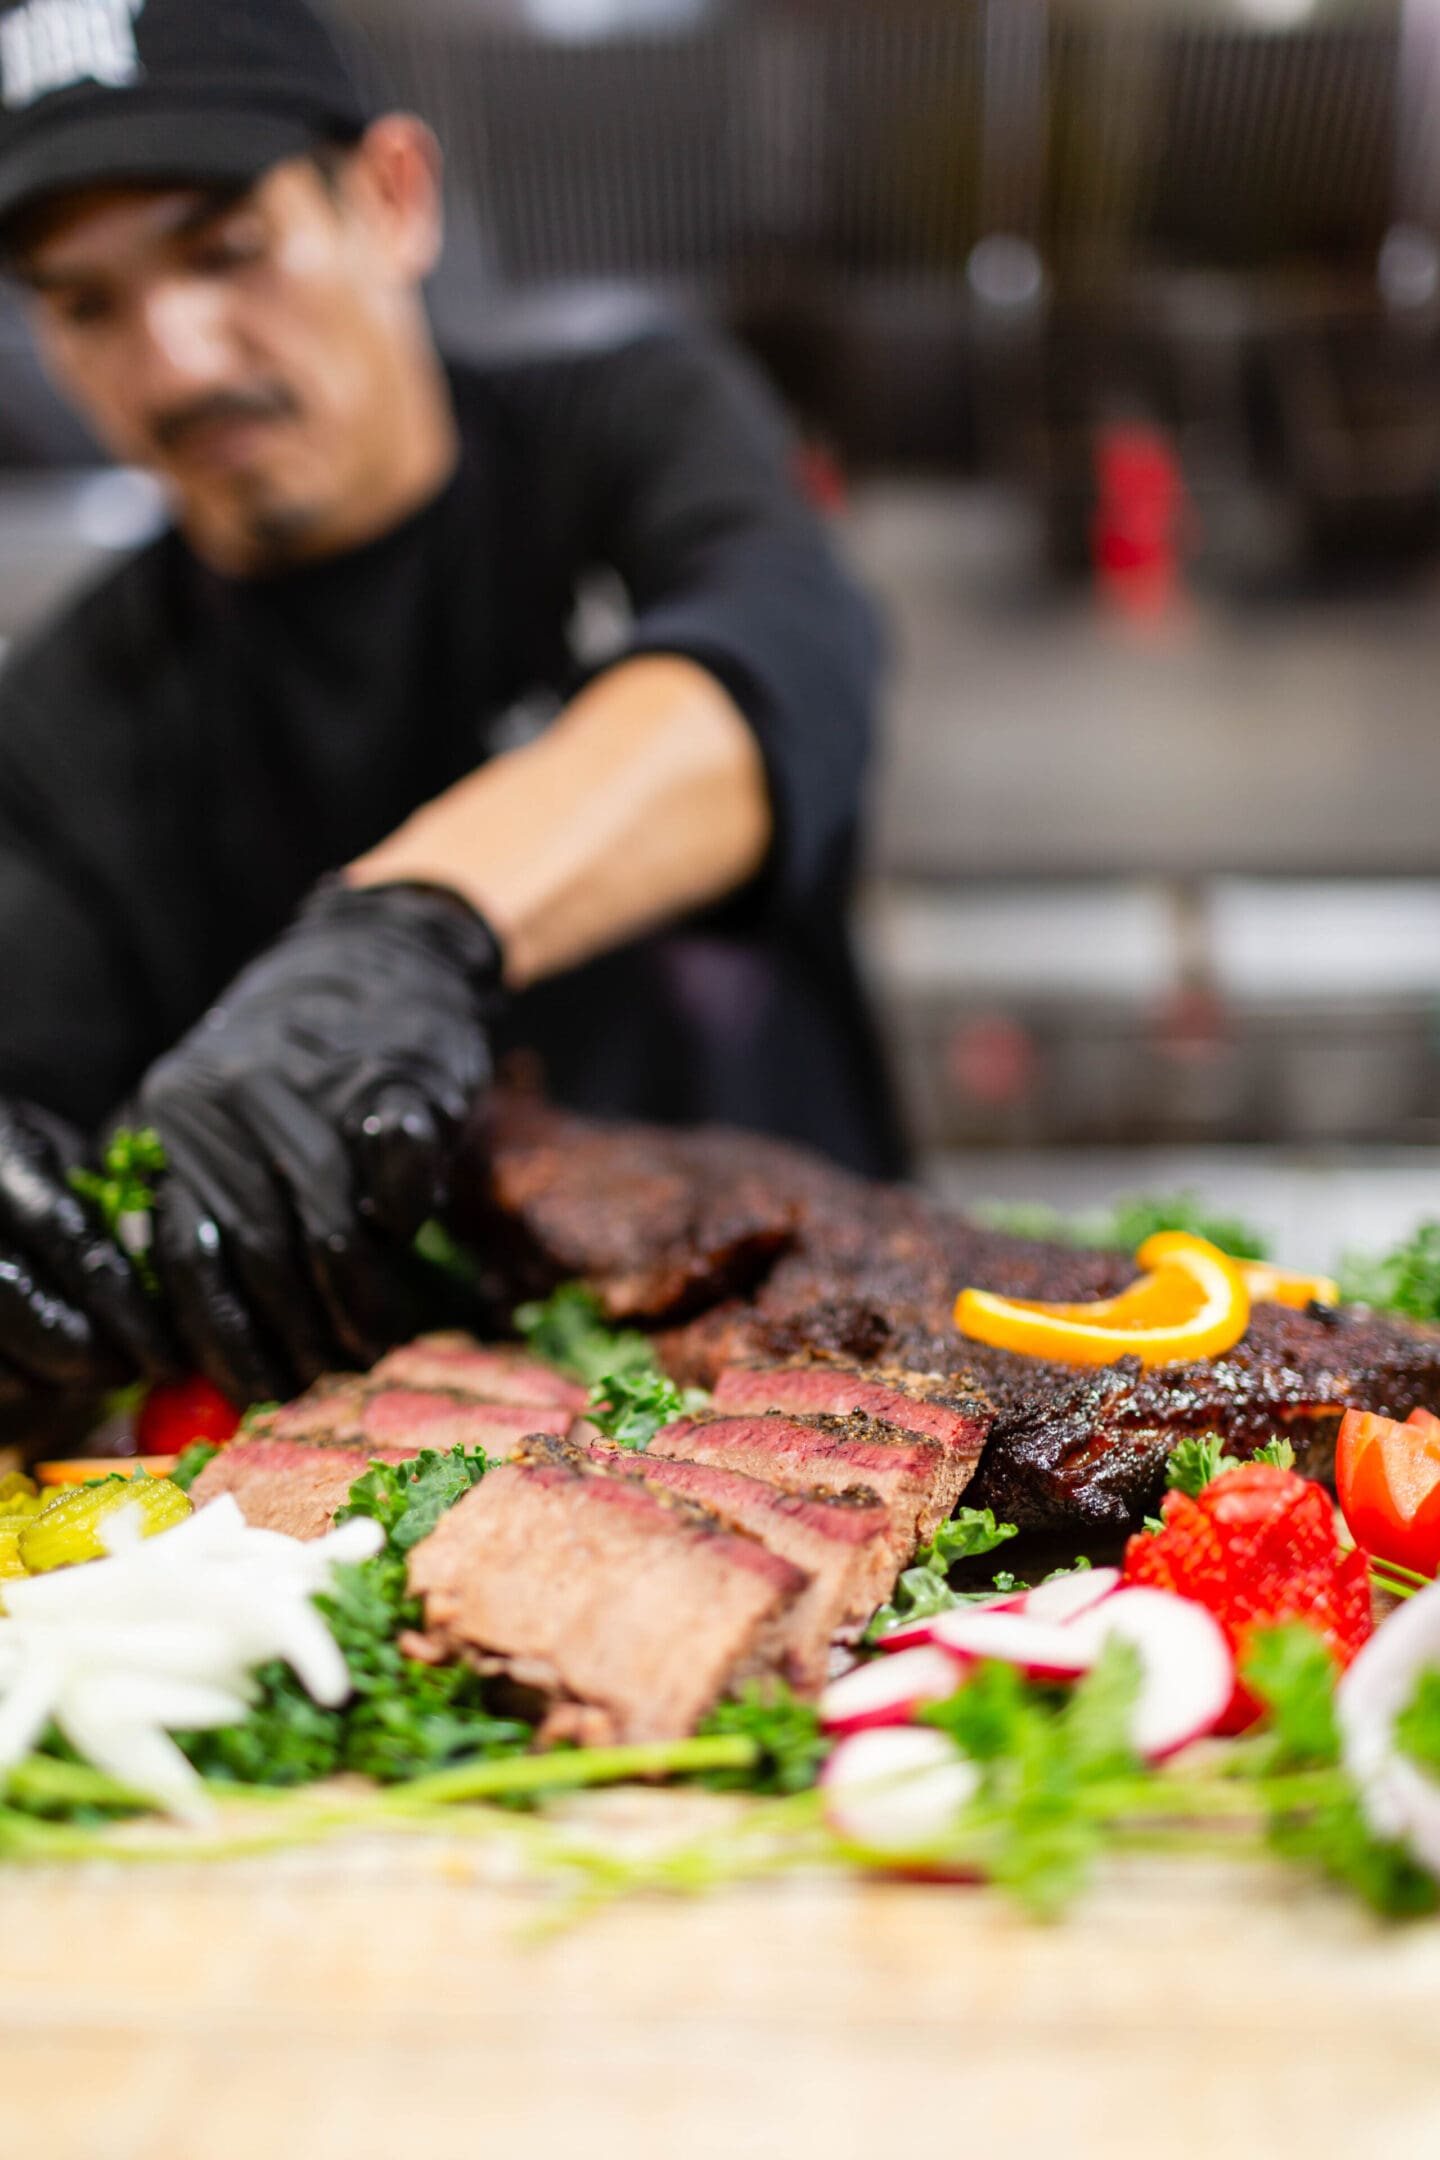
point(645, 799)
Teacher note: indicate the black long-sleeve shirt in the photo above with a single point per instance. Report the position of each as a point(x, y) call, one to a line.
point(182, 755)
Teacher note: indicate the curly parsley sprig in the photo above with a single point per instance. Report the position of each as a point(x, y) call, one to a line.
point(122, 1191)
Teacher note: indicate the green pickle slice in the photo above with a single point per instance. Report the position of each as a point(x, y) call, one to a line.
point(67, 1529)
point(19, 1495)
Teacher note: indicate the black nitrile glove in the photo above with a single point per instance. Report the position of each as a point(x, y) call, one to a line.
point(309, 1122)
point(74, 1315)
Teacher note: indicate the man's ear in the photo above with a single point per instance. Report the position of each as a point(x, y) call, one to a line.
point(393, 179)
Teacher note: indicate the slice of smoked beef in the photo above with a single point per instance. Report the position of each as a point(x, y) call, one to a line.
point(946, 1409)
point(495, 1374)
point(433, 1418)
point(601, 1592)
point(289, 1485)
point(916, 1477)
point(841, 1540)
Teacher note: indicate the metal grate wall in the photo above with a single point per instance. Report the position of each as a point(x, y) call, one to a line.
point(861, 138)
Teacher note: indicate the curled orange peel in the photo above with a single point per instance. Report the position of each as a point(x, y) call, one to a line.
point(1190, 1302)
point(1269, 1285)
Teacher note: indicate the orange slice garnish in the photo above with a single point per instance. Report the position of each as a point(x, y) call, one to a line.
point(1191, 1302)
point(1280, 1286)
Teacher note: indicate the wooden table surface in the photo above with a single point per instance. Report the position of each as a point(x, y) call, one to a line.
point(378, 2001)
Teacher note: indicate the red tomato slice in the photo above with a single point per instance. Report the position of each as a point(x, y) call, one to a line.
point(1425, 1421)
point(176, 1414)
point(1387, 1476)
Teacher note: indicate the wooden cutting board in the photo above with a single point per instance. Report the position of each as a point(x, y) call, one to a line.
point(376, 2001)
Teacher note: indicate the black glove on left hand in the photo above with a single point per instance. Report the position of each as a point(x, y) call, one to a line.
point(74, 1314)
point(309, 1122)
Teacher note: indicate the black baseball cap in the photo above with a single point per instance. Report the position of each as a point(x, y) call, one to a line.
point(207, 92)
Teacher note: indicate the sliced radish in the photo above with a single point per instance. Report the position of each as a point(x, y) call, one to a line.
point(1187, 1673)
point(909, 1634)
point(889, 1690)
point(1042, 1650)
point(898, 1789)
point(1065, 1597)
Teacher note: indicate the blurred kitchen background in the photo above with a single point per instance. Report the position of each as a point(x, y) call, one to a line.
point(1113, 332)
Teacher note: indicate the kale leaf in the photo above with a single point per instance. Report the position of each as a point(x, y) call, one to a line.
point(925, 1588)
point(630, 1408)
point(1142, 1215)
point(1035, 1831)
point(1292, 1672)
point(568, 1329)
point(630, 1398)
point(968, 1533)
point(407, 1499)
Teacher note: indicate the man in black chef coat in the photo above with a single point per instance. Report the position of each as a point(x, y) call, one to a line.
point(276, 876)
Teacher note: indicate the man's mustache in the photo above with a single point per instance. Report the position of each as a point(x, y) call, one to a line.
point(168, 430)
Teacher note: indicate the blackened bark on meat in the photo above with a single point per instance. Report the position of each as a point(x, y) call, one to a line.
point(1073, 1447)
point(659, 1224)
point(743, 1251)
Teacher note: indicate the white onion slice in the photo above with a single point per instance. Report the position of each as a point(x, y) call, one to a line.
point(164, 1635)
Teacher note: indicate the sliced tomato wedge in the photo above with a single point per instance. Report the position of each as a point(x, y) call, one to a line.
point(1387, 1477)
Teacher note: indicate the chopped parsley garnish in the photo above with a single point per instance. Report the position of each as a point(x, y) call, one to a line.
point(1035, 1829)
point(1198, 1461)
point(122, 1191)
point(786, 1731)
point(191, 1462)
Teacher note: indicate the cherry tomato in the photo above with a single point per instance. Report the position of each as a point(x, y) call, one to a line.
point(180, 1412)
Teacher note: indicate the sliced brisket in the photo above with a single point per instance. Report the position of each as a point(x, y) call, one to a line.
point(433, 1418)
point(952, 1411)
point(601, 1591)
point(362, 1410)
point(484, 1373)
point(289, 1485)
point(840, 1540)
point(914, 1476)
point(328, 1411)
